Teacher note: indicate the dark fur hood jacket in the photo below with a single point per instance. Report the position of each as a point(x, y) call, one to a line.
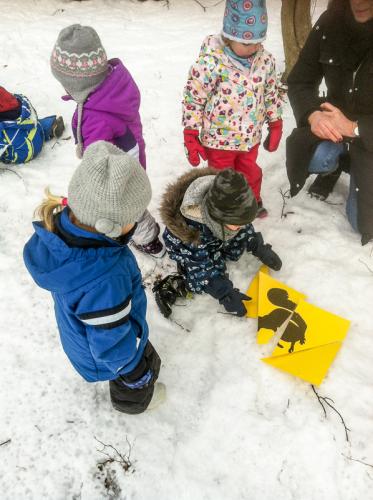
point(171, 204)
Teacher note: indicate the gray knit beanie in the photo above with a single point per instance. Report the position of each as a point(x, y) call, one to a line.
point(109, 189)
point(79, 61)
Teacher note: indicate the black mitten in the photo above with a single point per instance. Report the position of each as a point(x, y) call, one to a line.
point(221, 288)
point(264, 252)
point(233, 302)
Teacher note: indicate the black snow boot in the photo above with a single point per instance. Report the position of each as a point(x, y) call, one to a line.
point(167, 290)
point(323, 185)
point(58, 127)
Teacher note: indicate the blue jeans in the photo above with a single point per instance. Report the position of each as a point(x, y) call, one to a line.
point(325, 158)
point(325, 161)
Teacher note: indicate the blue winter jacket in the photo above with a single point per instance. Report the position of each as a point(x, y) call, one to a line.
point(100, 304)
point(21, 139)
point(206, 260)
point(201, 256)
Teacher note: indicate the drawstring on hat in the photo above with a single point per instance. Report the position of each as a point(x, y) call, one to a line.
point(79, 146)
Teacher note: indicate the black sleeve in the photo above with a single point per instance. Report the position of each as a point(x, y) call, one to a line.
point(366, 131)
point(305, 77)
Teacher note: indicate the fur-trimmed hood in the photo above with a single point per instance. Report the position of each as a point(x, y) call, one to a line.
point(171, 204)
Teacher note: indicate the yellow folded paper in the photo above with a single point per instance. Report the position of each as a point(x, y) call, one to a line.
point(253, 292)
point(276, 304)
point(309, 343)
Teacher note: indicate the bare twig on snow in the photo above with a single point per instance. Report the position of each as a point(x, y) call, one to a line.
point(285, 196)
point(124, 460)
point(366, 265)
point(357, 460)
point(325, 400)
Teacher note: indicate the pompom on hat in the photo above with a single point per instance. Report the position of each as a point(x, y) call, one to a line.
point(109, 189)
point(79, 61)
point(245, 21)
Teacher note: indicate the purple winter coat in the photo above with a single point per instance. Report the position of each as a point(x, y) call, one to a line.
point(111, 112)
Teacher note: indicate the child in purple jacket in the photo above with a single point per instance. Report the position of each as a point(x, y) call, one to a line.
point(108, 102)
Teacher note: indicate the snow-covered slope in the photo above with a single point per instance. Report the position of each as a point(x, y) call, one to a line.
point(232, 427)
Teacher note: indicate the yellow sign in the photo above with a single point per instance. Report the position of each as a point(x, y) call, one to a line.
point(276, 304)
point(309, 343)
point(253, 292)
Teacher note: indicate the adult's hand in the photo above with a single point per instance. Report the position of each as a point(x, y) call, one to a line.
point(323, 127)
point(338, 119)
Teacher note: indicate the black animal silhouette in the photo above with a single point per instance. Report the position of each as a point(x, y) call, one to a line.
point(296, 328)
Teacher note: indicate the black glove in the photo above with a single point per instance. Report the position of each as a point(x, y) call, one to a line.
point(221, 288)
point(264, 252)
point(233, 302)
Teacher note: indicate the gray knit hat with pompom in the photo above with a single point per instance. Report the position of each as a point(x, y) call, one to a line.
point(79, 61)
point(109, 189)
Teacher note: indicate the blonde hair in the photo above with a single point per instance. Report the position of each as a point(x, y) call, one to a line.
point(226, 41)
point(50, 206)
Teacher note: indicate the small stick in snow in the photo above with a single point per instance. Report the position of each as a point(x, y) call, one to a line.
point(199, 3)
point(357, 460)
point(285, 196)
point(326, 400)
point(14, 172)
point(179, 325)
point(205, 8)
point(228, 314)
point(124, 459)
point(58, 11)
point(6, 442)
point(17, 174)
point(366, 265)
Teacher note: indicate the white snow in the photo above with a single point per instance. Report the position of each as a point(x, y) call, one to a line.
point(232, 427)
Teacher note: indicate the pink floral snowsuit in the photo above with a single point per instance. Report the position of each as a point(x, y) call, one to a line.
point(230, 104)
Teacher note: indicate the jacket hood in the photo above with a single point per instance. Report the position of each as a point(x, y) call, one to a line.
point(59, 268)
point(172, 204)
point(193, 197)
point(213, 45)
point(111, 95)
point(27, 118)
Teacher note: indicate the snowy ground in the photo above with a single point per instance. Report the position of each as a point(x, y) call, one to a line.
point(232, 427)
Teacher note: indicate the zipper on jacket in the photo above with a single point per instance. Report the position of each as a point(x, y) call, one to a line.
point(354, 74)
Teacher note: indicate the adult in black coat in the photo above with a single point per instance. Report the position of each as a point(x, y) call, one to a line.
point(335, 131)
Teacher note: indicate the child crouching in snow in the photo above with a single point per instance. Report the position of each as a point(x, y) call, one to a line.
point(79, 253)
point(231, 93)
point(208, 218)
point(22, 133)
point(108, 102)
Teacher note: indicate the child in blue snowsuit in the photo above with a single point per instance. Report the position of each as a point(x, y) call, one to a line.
point(208, 218)
point(79, 253)
point(22, 133)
